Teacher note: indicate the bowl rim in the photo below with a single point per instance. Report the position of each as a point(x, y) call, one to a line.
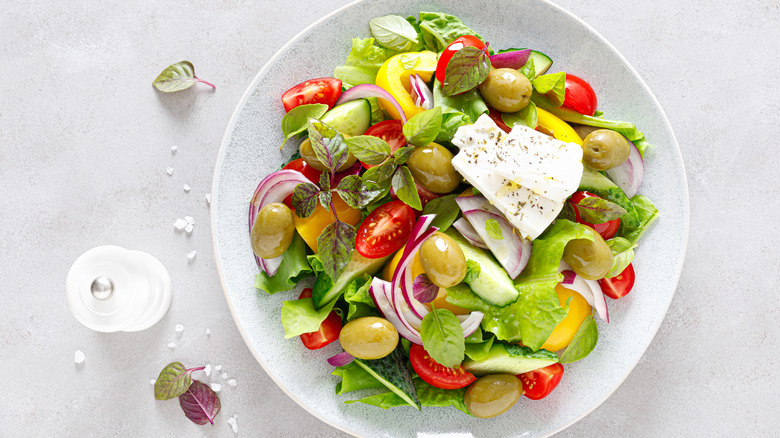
point(250, 90)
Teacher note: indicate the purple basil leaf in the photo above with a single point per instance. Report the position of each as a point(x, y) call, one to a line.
point(335, 244)
point(467, 68)
point(328, 145)
point(325, 181)
point(424, 291)
point(173, 381)
point(567, 212)
point(304, 199)
point(405, 189)
point(325, 199)
point(598, 211)
point(177, 77)
point(355, 193)
point(200, 403)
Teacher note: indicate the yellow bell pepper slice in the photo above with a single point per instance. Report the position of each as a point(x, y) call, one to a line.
point(564, 332)
point(394, 75)
point(311, 227)
point(552, 125)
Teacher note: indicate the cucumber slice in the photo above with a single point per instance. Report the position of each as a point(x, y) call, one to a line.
point(510, 359)
point(542, 62)
point(351, 118)
point(393, 372)
point(326, 290)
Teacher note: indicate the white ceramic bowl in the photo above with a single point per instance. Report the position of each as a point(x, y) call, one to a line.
point(250, 151)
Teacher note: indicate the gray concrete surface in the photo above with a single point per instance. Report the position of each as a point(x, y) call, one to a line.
point(85, 142)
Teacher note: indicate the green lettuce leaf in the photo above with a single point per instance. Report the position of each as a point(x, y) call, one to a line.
point(537, 311)
point(300, 316)
point(552, 85)
point(479, 350)
point(362, 63)
point(357, 297)
point(294, 267)
point(458, 110)
point(439, 30)
point(622, 255)
point(647, 215)
point(583, 342)
point(429, 396)
point(354, 377)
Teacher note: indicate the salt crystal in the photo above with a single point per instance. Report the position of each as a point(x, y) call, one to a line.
point(224, 376)
point(188, 228)
point(218, 368)
point(208, 198)
point(169, 171)
point(179, 328)
point(191, 255)
point(171, 346)
point(180, 224)
point(152, 381)
point(189, 219)
point(186, 187)
point(207, 370)
point(174, 149)
point(79, 357)
point(208, 332)
point(233, 424)
point(232, 382)
point(216, 387)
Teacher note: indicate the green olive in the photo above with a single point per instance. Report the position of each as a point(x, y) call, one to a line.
point(272, 231)
point(604, 149)
point(431, 167)
point(492, 395)
point(443, 260)
point(369, 337)
point(308, 155)
point(590, 259)
point(506, 90)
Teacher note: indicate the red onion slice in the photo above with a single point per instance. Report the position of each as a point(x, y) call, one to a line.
point(405, 264)
point(477, 202)
point(471, 324)
point(341, 359)
point(273, 188)
point(590, 290)
point(421, 94)
point(424, 290)
point(370, 90)
point(512, 250)
point(568, 277)
point(515, 59)
point(466, 230)
point(628, 176)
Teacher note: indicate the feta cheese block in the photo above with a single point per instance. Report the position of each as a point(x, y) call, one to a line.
point(527, 175)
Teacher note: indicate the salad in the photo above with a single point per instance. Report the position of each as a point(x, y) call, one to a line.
point(464, 213)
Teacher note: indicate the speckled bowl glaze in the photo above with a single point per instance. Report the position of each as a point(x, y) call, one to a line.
point(250, 151)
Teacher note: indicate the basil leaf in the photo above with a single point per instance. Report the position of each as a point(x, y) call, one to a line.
point(423, 128)
point(355, 193)
point(379, 175)
point(335, 244)
point(177, 77)
point(445, 209)
point(328, 144)
point(395, 33)
point(472, 271)
point(467, 68)
point(369, 149)
point(493, 229)
point(404, 187)
point(296, 121)
point(304, 199)
point(526, 117)
point(622, 255)
point(529, 70)
point(553, 86)
point(598, 211)
point(402, 154)
point(583, 343)
point(442, 337)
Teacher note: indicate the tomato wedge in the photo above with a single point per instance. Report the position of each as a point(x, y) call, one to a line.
point(607, 230)
point(436, 374)
point(579, 95)
point(538, 384)
point(302, 166)
point(446, 55)
point(320, 90)
point(391, 131)
point(619, 285)
point(328, 332)
point(385, 230)
point(495, 115)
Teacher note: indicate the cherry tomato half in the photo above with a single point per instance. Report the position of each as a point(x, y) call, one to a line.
point(320, 90)
point(446, 55)
point(495, 115)
point(538, 384)
point(435, 374)
point(329, 329)
point(302, 166)
point(385, 230)
point(619, 285)
point(607, 230)
point(391, 131)
point(579, 96)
